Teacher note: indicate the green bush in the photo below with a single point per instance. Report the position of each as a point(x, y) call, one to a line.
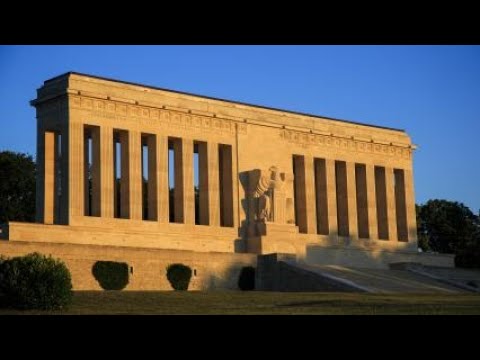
point(179, 276)
point(2, 297)
point(111, 275)
point(246, 280)
point(35, 281)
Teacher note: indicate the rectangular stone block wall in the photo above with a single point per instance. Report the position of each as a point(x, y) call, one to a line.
point(147, 267)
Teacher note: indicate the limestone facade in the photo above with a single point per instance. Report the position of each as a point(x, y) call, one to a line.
point(269, 180)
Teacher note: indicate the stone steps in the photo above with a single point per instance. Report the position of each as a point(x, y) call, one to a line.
point(382, 281)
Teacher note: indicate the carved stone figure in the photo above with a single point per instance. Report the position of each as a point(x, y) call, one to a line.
point(264, 212)
point(270, 193)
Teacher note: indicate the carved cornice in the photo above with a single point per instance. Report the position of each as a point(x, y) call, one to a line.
point(348, 144)
point(165, 116)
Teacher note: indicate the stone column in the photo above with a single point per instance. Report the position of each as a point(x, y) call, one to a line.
point(162, 173)
point(107, 171)
point(372, 202)
point(410, 206)
point(135, 174)
point(74, 187)
point(49, 177)
point(188, 191)
point(152, 184)
point(332, 199)
point(57, 181)
point(213, 184)
point(392, 213)
point(40, 176)
point(203, 180)
point(352, 201)
point(310, 195)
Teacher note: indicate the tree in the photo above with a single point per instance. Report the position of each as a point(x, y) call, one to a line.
point(450, 227)
point(446, 224)
point(421, 230)
point(17, 187)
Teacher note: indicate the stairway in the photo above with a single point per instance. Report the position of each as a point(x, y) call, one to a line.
point(382, 281)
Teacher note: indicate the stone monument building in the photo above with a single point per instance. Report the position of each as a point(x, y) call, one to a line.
point(118, 162)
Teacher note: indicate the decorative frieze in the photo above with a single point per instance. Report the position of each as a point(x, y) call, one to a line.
point(165, 117)
point(350, 144)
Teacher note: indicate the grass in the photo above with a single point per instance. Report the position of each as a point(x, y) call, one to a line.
point(233, 302)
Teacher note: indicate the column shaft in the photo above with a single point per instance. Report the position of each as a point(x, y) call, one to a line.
point(213, 184)
point(162, 173)
point(135, 174)
point(342, 198)
point(372, 202)
point(352, 201)
point(49, 177)
point(332, 199)
point(410, 205)
point(106, 165)
point(73, 170)
point(310, 196)
point(392, 213)
point(40, 176)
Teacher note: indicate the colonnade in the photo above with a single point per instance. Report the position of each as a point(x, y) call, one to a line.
point(129, 174)
point(355, 200)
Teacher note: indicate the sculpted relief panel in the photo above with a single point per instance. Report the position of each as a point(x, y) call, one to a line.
point(270, 196)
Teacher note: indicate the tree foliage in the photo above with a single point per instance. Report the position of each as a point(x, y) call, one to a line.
point(451, 228)
point(111, 275)
point(246, 280)
point(179, 276)
point(35, 281)
point(17, 187)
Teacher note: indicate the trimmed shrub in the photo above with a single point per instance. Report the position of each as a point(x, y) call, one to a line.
point(111, 275)
point(35, 281)
point(179, 276)
point(2, 297)
point(246, 280)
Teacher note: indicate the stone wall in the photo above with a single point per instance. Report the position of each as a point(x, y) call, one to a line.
point(147, 266)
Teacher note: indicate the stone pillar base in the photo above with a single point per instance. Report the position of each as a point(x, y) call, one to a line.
point(272, 238)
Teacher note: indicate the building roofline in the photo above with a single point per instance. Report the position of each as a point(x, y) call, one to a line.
point(219, 99)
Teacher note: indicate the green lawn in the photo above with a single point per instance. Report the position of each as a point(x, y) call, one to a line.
point(231, 302)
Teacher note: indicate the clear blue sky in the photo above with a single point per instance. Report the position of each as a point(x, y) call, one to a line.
point(431, 91)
